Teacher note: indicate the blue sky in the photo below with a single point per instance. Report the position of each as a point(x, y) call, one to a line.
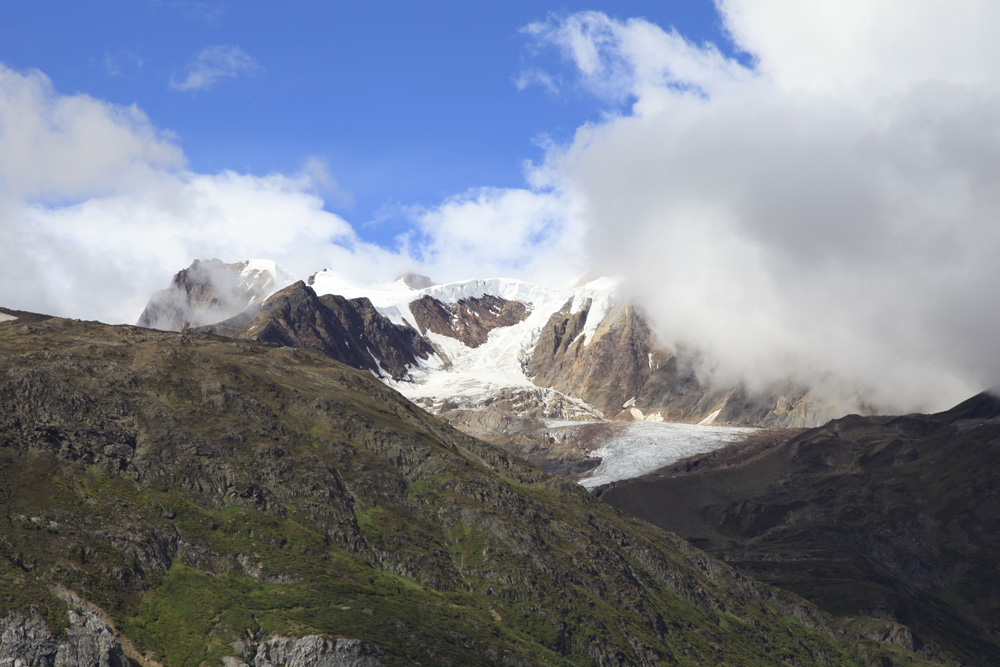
point(406, 102)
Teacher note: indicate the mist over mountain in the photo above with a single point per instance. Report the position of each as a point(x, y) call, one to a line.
point(802, 211)
point(819, 211)
point(343, 454)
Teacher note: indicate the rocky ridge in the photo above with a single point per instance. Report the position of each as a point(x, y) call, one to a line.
point(226, 500)
point(348, 330)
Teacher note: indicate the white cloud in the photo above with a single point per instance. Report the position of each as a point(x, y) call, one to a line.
point(489, 232)
point(622, 59)
point(871, 46)
point(831, 211)
point(72, 146)
point(98, 210)
point(213, 64)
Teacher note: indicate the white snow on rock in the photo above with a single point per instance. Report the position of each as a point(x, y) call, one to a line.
point(460, 373)
point(4, 317)
point(639, 448)
point(465, 377)
point(263, 277)
point(256, 267)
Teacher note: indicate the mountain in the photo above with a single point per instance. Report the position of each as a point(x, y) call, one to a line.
point(210, 291)
point(348, 330)
point(188, 499)
point(897, 517)
point(501, 359)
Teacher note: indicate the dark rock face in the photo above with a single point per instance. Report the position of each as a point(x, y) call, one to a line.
point(348, 330)
point(205, 292)
point(897, 517)
point(470, 320)
point(222, 499)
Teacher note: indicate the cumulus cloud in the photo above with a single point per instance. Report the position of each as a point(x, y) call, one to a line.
point(532, 234)
point(828, 213)
point(98, 209)
point(214, 63)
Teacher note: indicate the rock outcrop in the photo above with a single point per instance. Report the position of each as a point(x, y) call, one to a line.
point(315, 651)
point(25, 639)
point(348, 330)
point(469, 320)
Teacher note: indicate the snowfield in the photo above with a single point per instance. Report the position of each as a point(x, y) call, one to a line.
point(4, 317)
point(639, 448)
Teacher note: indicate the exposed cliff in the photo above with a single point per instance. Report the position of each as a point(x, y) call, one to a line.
point(623, 370)
point(469, 320)
point(348, 330)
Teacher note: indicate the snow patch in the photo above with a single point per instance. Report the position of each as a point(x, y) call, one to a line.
point(640, 448)
point(4, 317)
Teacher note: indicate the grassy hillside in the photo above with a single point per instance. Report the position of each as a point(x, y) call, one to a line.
point(205, 494)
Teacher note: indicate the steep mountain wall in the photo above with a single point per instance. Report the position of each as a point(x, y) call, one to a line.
point(348, 330)
point(621, 369)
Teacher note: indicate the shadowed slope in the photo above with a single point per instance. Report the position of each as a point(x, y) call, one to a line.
point(893, 516)
point(211, 496)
